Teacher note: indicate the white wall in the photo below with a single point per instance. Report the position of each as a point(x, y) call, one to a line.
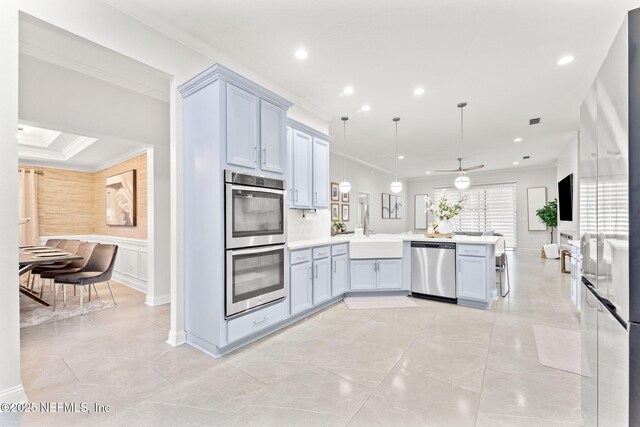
point(367, 179)
point(568, 163)
point(10, 385)
point(524, 178)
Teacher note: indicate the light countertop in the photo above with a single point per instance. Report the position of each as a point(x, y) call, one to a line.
point(471, 240)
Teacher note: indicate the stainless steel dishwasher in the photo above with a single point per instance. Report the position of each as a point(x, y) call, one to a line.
point(433, 270)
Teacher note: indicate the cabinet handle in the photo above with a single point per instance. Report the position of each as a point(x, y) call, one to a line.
point(264, 156)
point(255, 154)
point(296, 194)
point(257, 322)
point(315, 197)
point(334, 266)
point(316, 271)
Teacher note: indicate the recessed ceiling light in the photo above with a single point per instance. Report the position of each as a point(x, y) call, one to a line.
point(516, 163)
point(517, 140)
point(366, 107)
point(348, 90)
point(566, 60)
point(418, 91)
point(301, 53)
point(400, 157)
point(428, 172)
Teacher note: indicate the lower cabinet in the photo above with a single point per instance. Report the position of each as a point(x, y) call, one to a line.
point(301, 287)
point(339, 275)
point(472, 277)
point(321, 280)
point(371, 274)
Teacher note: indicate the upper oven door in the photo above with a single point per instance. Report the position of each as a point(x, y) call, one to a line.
point(254, 216)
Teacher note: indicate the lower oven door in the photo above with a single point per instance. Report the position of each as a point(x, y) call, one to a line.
point(255, 276)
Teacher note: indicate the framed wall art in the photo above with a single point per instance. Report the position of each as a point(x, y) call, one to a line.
point(120, 199)
point(335, 192)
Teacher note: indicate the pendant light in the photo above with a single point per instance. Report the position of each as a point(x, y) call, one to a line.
point(396, 186)
point(462, 182)
point(344, 186)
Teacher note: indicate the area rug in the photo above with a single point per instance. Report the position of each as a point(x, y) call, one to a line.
point(367, 303)
point(559, 348)
point(33, 313)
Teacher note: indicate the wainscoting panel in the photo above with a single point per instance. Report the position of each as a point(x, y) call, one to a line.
point(131, 262)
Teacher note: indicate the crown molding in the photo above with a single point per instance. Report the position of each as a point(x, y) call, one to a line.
point(308, 129)
point(98, 73)
point(77, 146)
point(122, 158)
point(32, 141)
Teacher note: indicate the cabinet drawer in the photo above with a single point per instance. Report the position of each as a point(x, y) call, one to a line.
point(296, 257)
point(253, 322)
point(321, 252)
point(339, 249)
point(472, 250)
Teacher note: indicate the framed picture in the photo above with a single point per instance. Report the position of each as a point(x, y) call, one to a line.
point(398, 207)
point(335, 192)
point(345, 213)
point(393, 205)
point(120, 199)
point(345, 198)
point(335, 211)
point(385, 206)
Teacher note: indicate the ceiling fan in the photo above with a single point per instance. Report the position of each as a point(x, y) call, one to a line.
point(462, 181)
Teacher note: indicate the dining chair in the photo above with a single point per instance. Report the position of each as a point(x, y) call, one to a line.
point(52, 243)
point(71, 246)
point(85, 249)
point(61, 244)
point(98, 269)
point(502, 264)
point(67, 245)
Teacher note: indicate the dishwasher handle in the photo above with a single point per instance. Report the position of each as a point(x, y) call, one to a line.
point(433, 245)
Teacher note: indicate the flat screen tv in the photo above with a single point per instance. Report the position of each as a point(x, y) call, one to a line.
point(565, 198)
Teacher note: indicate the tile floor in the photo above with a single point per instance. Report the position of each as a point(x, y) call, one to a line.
point(436, 365)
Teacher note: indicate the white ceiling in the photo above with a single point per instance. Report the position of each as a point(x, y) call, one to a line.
point(46, 147)
point(498, 55)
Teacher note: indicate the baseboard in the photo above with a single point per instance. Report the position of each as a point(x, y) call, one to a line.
point(158, 300)
point(13, 395)
point(177, 338)
point(131, 282)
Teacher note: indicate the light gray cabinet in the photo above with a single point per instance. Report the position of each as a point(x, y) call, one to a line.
point(301, 287)
point(321, 280)
point(320, 174)
point(339, 275)
point(476, 275)
point(242, 128)
point(302, 165)
point(372, 274)
point(273, 128)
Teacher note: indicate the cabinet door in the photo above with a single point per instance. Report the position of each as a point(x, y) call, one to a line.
point(242, 128)
point(302, 166)
point(389, 274)
point(320, 174)
point(301, 288)
point(321, 280)
point(363, 274)
point(290, 179)
point(472, 277)
point(272, 137)
point(339, 275)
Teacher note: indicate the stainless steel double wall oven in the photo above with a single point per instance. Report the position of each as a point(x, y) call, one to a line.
point(255, 241)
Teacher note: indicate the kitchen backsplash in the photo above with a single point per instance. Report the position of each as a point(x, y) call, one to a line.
point(314, 225)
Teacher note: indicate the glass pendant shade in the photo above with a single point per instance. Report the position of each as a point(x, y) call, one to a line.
point(462, 182)
point(344, 186)
point(396, 186)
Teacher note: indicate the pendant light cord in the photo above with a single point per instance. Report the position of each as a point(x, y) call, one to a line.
point(344, 136)
point(461, 133)
point(397, 150)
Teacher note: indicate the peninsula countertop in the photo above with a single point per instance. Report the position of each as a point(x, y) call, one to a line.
point(469, 240)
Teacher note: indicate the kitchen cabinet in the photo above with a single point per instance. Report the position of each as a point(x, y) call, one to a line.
point(321, 280)
point(273, 128)
point(242, 128)
point(301, 287)
point(372, 274)
point(340, 275)
point(302, 165)
point(476, 274)
point(308, 167)
point(320, 174)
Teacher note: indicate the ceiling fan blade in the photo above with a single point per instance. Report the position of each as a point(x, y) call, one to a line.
point(450, 170)
point(472, 168)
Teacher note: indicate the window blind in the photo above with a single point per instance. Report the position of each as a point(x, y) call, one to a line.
point(486, 208)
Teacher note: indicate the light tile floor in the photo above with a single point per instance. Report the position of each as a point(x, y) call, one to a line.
point(435, 365)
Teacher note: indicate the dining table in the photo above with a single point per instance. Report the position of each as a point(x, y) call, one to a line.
point(36, 256)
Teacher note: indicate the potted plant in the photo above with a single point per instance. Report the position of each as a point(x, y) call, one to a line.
point(445, 211)
point(337, 226)
point(548, 214)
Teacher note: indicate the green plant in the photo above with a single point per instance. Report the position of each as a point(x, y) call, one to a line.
point(338, 225)
point(444, 210)
point(549, 215)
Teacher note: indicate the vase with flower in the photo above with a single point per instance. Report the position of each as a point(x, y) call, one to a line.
point(444, 211)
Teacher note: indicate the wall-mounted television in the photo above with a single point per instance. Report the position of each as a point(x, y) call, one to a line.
point(565, 198)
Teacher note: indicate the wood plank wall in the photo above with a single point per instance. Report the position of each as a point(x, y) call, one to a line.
point(72, 202)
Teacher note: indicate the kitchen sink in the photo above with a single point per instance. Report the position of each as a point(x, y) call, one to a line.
point(374, 248)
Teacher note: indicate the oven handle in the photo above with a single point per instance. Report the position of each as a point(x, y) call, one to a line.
point(269, 248)
point(256, 189)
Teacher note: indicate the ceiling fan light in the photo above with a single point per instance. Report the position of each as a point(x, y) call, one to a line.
point(462, 182)
point(344, 187)
point(396, 186)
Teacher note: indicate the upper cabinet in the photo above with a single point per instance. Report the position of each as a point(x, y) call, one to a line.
point(242, 128)
point(308, 178)
point(273, 130)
